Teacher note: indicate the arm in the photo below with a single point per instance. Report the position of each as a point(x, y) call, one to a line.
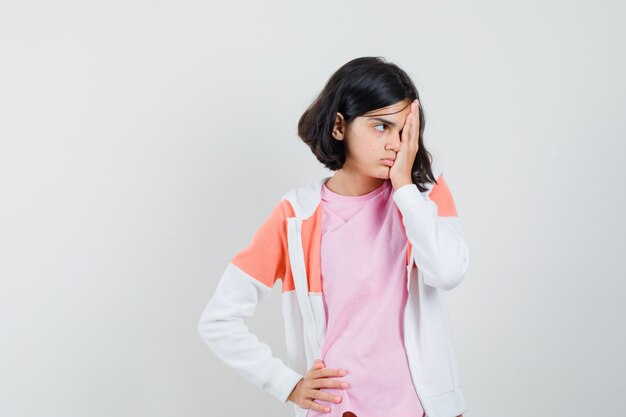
point(247, 281)
point(435, 233)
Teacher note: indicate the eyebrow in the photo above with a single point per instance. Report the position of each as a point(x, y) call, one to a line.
point(380, 119)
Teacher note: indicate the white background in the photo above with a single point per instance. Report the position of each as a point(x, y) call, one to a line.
point(143, 142)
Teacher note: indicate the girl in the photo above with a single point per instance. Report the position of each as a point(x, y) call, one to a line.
point(365, 257)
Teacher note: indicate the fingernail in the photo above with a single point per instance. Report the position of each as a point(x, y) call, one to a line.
point(342, 372)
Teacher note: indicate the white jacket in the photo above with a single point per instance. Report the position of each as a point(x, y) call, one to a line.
point(286, 247)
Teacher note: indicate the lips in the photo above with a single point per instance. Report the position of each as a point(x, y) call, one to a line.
point(388, 161)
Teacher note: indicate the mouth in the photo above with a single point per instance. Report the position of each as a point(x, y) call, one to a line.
point(388, 161)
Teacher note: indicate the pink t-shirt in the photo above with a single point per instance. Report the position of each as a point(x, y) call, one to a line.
point(363, 265)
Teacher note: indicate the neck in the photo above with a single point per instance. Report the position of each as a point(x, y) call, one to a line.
point(352, 184)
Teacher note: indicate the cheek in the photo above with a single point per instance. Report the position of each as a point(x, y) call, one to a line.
point(368, 151)
point(371, 149)
point(375, 146)
point(365, 148)
point(370, 144)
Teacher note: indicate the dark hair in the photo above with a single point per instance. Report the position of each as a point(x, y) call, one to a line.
point(360, 86)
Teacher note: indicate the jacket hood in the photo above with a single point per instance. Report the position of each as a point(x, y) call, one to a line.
point(305, 199)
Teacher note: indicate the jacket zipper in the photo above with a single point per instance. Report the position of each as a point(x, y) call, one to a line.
point(409, 269)
point(302, 270)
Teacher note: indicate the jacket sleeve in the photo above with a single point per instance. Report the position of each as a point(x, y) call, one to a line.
point(247, 281)
point(435, 233)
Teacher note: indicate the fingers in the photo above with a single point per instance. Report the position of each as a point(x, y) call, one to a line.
point(328, 383)
point(317, 364)
point(406, 131)
point(316, 406)
point(325, 373)
point(411, 129)
point(415, 122)
point(411, 123)
point(316, 378)
point(326, 396)
point(321, 377)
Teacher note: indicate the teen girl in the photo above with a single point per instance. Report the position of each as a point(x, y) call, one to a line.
point(365, 258)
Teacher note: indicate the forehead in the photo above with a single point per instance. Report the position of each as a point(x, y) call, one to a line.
point(391, 111)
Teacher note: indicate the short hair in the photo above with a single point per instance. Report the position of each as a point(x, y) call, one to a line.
point(360, 86)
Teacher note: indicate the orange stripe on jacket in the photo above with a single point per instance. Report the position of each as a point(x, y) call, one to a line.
point(266, 258)
point(440, 194)
point(311, 244)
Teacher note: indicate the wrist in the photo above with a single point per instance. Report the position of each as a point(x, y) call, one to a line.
point(397, 183)
point(289, 398)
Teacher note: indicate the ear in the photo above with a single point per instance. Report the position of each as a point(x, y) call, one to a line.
point(338, 127)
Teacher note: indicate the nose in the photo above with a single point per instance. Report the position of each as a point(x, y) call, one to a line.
point(393, 143)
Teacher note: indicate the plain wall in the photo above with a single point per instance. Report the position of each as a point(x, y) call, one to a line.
point(143, 142)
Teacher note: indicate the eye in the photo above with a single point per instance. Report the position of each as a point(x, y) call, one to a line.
point(382, 124)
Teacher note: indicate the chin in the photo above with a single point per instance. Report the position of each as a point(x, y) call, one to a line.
point(381, 172)
point(385, 173)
